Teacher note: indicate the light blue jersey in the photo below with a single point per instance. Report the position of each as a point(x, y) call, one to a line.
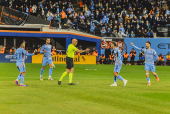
point(47, 48)
point(47, 56)
point(117, 56)
point(20, 55)
point(150, 54)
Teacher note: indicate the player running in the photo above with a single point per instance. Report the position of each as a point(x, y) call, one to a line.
point(69, 61)
point(46, 49)
point(118, 64)
point(20, 55)
point(149, 60)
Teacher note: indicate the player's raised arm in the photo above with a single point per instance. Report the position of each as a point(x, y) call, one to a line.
point(140, 49)
point(26, 53)
point(82, 51)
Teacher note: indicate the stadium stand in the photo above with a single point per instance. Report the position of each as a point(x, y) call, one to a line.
point(116, 18)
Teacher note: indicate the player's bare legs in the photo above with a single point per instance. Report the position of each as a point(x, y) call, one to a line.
point(22, 79)
point(155, 74)
point(116, 75)
point(50, 71)
point(147, 77)
point(42, 70)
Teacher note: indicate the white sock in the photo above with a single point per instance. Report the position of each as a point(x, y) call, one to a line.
point(40, 75)
point(49, 76)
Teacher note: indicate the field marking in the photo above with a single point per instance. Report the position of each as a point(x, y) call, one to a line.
point(90, 69)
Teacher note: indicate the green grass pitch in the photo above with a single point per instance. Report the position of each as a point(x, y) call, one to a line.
point(93, 94)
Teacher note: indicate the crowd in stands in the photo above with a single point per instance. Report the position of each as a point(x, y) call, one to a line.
point(116, 18)
point(2, 49)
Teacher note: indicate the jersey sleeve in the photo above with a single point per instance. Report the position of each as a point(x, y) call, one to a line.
point(155, 54)
point(140, 49)
point(42, 49)
point(74, 48)
point(24, 51)
point(15, 54)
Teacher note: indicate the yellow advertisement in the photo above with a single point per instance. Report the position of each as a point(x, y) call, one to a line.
point(61, 59)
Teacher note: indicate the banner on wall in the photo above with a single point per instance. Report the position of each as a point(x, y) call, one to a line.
point(9, 58)
point(12, 17)
point(61, 59)
point(163, 31)
point(161, 45)
point(106, 41)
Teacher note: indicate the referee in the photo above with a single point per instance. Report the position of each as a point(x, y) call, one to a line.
point(69, 61)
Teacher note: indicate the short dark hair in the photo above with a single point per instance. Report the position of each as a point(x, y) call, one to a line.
point(148, 42)
point(114, 43)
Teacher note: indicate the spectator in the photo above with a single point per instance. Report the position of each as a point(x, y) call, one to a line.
point(81, 5)
point(161, 59)
point(102, 59)
point(107, 53)
point(168, 21)
point(81, 16)
point(63, 15)
point(109, 32)
point(43, 15)
point(53, 51)
point(65, 19)
point(49, 18)
point(93, 27)
point(103, 31)
point(115, 34)
point(122, 29)
point(120, 19)
point(75, 24)
point(168, 59)
point(125, 57)
point(105, 20)
point(127, 34)
point(69, 23)
point(34, 10)
point(132, 55)
point(120, 34)
point(151, 34)
point(132, 35)
point(123, 11)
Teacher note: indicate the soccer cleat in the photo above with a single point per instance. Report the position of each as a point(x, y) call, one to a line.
point(71, 84)
point(59, 82)
point(23, 85)
point(50, 78)
point(16, 81)
point(125, 82)
point(41, 78)
point(149, 84)
point(157, 78)
point(114, 84)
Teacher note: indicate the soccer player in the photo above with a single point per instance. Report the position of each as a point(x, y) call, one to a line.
point(69, 61)
point(149, 60)
point(118, 64)
point(46, 50)
point(20, 55)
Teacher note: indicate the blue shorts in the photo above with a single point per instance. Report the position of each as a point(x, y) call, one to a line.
point(117, 68)
point(22, 69)
point(150, 67)
point(46, 60)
